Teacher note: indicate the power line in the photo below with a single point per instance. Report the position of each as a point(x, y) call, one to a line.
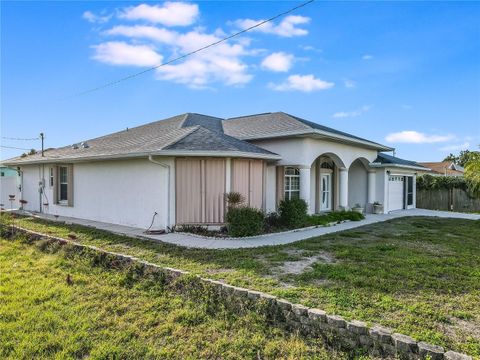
point(13, 147)
point(20, 139)
point(192, 52)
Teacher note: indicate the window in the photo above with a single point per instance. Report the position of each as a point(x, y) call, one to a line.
point(63, 184)
point(51, 177)
point(292, 183)
point(409, 190)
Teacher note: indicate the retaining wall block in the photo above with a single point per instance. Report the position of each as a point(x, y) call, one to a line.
point(381, 334)
point(452, 355)
point(240, 292)
point(366, 341)
point(433, 351)
point(388, 349)
point(357, 327)
point(254, 295)
point(336, 321)
point(317, 315)
point(284, 304)
point(300, 310)
point(404, 344)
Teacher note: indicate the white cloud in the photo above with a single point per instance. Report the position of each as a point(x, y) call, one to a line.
point(221, 63)
point(415, 137)
point(146, 32)
point(367, 57)
point(93, 18)
point(309, 48)
point(121, 53)
point(278, 62)
point(457, 147)
point(168, 14)
point(349, 83)
point(199, 71)
point(354, 113)
point(305, 83)
point(288, 27)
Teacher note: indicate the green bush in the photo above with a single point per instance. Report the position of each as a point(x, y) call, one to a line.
point(293, 213)
point(334, 216)
point(272, 222)
point(244, 221)
point(430, 182)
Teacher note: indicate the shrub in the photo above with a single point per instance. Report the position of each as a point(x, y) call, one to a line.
point(234, 199)
point(244, 221)
point(293, 213)
point(272, 222)
point(430, 182)
point(334, 216)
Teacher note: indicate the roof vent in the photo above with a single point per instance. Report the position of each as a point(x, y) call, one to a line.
point(75, 146)
point(85, 145)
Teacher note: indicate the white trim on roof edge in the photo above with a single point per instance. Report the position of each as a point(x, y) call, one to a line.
point(379, 165)
point(170, 153)
point(371, 144)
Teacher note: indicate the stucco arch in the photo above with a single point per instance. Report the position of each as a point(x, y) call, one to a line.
point(334, 157)
point(364, 161)
point(358, 182)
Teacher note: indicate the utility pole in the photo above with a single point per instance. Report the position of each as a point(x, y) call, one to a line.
point(42, 137)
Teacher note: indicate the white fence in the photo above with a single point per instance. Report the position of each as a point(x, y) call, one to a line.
point(9, 186)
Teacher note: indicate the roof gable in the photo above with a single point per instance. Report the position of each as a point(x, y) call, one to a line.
point(280, 124)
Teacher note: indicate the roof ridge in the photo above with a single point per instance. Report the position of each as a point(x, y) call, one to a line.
point(244, 116)
point(183, 136)
point(185, 117)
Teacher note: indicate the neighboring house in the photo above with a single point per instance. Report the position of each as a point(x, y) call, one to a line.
point(445, 168)
point(7, 172)
point(181, 167)
point(9, 185)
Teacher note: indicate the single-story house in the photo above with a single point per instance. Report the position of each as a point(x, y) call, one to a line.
point(442, 168)
point(180, 169)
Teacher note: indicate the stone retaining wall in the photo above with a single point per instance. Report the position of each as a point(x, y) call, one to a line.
point(337, 332)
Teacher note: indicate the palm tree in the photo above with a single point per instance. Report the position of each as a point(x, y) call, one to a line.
point(472, 173)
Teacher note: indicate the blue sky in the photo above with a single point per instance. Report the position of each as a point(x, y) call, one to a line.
point(406, 74)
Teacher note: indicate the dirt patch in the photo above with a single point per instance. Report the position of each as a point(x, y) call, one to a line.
point(461, 326)
point(303, 264)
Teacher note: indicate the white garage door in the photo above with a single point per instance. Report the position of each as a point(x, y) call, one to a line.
point(395, 192)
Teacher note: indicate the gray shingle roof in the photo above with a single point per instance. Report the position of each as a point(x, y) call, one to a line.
point(187, 132)
point(279, 124)
point(386, 159)
point(202, 139)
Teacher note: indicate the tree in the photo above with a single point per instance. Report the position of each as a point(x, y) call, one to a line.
point(451, 157)
point(463, 158)
point(472, 172)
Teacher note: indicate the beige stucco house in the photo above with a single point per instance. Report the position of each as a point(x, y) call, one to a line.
point(180, 169)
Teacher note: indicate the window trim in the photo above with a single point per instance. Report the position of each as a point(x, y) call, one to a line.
point(51, 177)
point(288, 190)
point(60, 183)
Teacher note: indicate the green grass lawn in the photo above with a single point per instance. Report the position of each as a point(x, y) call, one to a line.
point(419, 276)
point(103, 314)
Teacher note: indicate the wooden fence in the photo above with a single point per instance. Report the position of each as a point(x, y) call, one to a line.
point(449, 200)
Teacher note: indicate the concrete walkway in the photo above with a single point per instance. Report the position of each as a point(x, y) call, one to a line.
point(182, 239)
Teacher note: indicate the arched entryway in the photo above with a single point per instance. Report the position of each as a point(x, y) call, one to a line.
point(325, 182)
point(358, 183)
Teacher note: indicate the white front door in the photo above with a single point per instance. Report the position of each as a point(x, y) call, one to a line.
point(326, 192)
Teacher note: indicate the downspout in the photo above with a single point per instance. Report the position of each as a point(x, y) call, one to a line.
point(165, 166)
